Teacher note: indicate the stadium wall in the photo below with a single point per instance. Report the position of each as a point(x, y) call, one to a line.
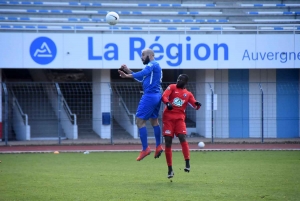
point(232, 64)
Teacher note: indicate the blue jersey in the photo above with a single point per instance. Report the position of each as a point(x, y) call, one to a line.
point(151, 76)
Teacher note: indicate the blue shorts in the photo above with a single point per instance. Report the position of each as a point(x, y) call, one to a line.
point(149, 106)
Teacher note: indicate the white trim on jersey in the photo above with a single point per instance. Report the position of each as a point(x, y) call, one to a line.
point(151, 77)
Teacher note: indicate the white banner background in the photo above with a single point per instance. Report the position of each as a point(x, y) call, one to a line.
point(73, 50)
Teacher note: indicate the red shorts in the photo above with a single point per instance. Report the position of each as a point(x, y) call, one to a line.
point(174, 127)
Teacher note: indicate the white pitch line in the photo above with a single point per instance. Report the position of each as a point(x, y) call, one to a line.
point(175, 150)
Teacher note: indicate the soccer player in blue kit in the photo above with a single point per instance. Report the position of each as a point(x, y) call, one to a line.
point(149, 105)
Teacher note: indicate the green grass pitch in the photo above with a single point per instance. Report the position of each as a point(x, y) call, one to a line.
point(224, 176)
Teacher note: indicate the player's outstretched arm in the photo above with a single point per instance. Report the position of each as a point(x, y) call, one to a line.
point(193, 102)
point(198, 105)
point(124, 75)
point(125, 69)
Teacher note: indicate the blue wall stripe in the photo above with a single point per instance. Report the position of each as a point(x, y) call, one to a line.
point(287, 100)
point(238, 100)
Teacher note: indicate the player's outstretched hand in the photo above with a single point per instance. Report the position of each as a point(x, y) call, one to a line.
point(122, 74)
point(169, 106)
point(121, 69)
point(125, 68)
point(198, 104)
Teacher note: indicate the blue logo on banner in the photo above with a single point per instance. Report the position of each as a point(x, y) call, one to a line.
point(43, 50)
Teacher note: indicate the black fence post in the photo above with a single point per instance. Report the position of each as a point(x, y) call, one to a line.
point(262, 113)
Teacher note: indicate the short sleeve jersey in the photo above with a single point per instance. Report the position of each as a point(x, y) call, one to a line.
point(179, 98)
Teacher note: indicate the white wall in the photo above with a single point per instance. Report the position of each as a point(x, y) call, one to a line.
point(221, 125)
point(255, 104)
point(203, 116)
point(101, 102)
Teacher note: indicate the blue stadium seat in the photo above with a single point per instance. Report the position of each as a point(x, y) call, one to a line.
point(42, 27)
point(210, 5)
point(84, 19)
point(24, 18)
point(73, 19)
point(96, 4)
point(102, 12)
point(67, 11)
point(278, 28)
point(182, 13)
point(211, 21)
point(12, 18)
point(66, 27)
point(73, 4)
point(5, 26)
point(176, 20)
point(85, 4)
point(97, 20)
point(136, 12)
point(55, 11)
point(125, 12)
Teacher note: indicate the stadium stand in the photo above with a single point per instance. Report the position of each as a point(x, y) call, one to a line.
point(173, 16)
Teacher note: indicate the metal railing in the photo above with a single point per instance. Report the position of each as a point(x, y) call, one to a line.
point(291, 27)
point(25, 116)
point(72, 117)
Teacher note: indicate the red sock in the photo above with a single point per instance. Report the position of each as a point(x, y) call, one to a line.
point(185, 150)
point(168, 153)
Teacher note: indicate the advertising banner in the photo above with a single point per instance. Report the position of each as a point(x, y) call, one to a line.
point(173, 51)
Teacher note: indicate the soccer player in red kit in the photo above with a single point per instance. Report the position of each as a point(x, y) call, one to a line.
point(177, 97)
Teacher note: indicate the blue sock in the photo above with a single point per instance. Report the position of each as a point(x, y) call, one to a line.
point(157, 134)
point(143, 137)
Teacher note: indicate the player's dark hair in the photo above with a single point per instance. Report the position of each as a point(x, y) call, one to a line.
point(185, 76)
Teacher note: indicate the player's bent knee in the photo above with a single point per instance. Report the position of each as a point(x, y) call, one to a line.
point(182, 137)
point(140, 123)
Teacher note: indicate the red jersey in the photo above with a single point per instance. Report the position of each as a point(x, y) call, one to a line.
point(179, 98)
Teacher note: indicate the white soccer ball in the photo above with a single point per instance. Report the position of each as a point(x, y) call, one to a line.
point(201, 145)
point(112, 18)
